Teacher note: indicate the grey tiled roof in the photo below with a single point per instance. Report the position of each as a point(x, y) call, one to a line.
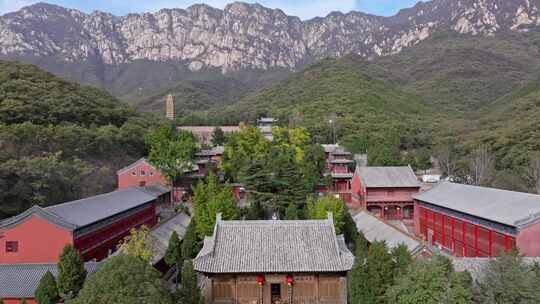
point(274, 247)
point(211, 152)
point(506, 207)
point(22, 280)
point(376, 230)
point(87, 211)
point(158, 239)
point(380, 177)
point(157, 189)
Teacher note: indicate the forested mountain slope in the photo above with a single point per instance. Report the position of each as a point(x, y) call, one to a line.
point(59, 140)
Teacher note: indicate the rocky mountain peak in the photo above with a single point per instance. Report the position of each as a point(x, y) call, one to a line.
point(246, 35)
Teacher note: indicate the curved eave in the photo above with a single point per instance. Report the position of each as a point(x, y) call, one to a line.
point(36, 210)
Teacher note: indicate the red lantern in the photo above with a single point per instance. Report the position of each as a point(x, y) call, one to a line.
point(290, 280)
point(260, 279)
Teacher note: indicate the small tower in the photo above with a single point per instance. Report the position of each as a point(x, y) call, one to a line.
point(169, 107)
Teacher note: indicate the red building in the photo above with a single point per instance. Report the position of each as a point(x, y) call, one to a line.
point(93, 225)
point(338, 166)
point(385, 191)
point(475, 221)
point(139, 174)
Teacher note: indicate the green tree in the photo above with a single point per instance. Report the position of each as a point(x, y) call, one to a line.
point(291, 213)
point(358, 287)
point(508, 279)
point(402, 258)
point(350, 231)
point(171, 152)
point(218, 137)
point(124, 279)
point(189, 293)
point(318, 209)
point(430, 281)
point(71, 272)
point(380, 269)
point(209, 200)
point(47, 291)
point(135, 244)
point(191, 244)
point(173, 255)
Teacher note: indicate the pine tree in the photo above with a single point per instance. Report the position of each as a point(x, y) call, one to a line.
point(402, 258)
point(189, 293)
point(191, 244)
point(71, 272)
point(47, 291)
point(380, 269)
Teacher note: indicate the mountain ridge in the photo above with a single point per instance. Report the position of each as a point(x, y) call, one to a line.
point(246, 35)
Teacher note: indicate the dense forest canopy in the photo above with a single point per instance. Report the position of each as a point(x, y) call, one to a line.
point(59, 140)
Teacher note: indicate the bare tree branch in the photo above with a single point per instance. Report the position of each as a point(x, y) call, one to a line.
point(481, 166)
point(533, 173)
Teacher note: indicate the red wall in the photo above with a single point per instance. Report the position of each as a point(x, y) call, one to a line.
point(39, 241)
point(357, 192)
point(528, 241)
point(460, 237)
point(390, 194)
point(126, 179)
point(96, 245)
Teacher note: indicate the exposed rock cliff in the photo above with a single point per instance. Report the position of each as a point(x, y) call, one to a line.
point(246, 35)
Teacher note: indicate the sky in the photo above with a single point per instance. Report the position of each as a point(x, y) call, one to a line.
point(305, 9)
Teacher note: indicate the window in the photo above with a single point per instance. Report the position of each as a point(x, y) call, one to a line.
point(151, 173)
point(143, 173)
point(12, 246)
point(134, 173)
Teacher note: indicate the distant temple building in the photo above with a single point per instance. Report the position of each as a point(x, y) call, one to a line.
point(169, 107)
point(472, 221)
point(275, 262)
point(204, 134)
point(265, 124)
point(338, 165)
point(386, 192)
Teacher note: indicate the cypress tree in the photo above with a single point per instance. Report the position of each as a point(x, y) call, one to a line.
point(173, 256)
point(71, 272)
point(191, 244)
point(359, 289)
point(380, 269)
point(402, 258)
point(47, 291)
point(189, 293)
point(291, 213)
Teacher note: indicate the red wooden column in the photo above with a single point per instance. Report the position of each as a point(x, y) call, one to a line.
point(443, 217)
point(453, 222)
point(476, 251)
point(434, 228)
point(426, 221)
point(507, 243)
point(490, 240)
point(464, 236)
